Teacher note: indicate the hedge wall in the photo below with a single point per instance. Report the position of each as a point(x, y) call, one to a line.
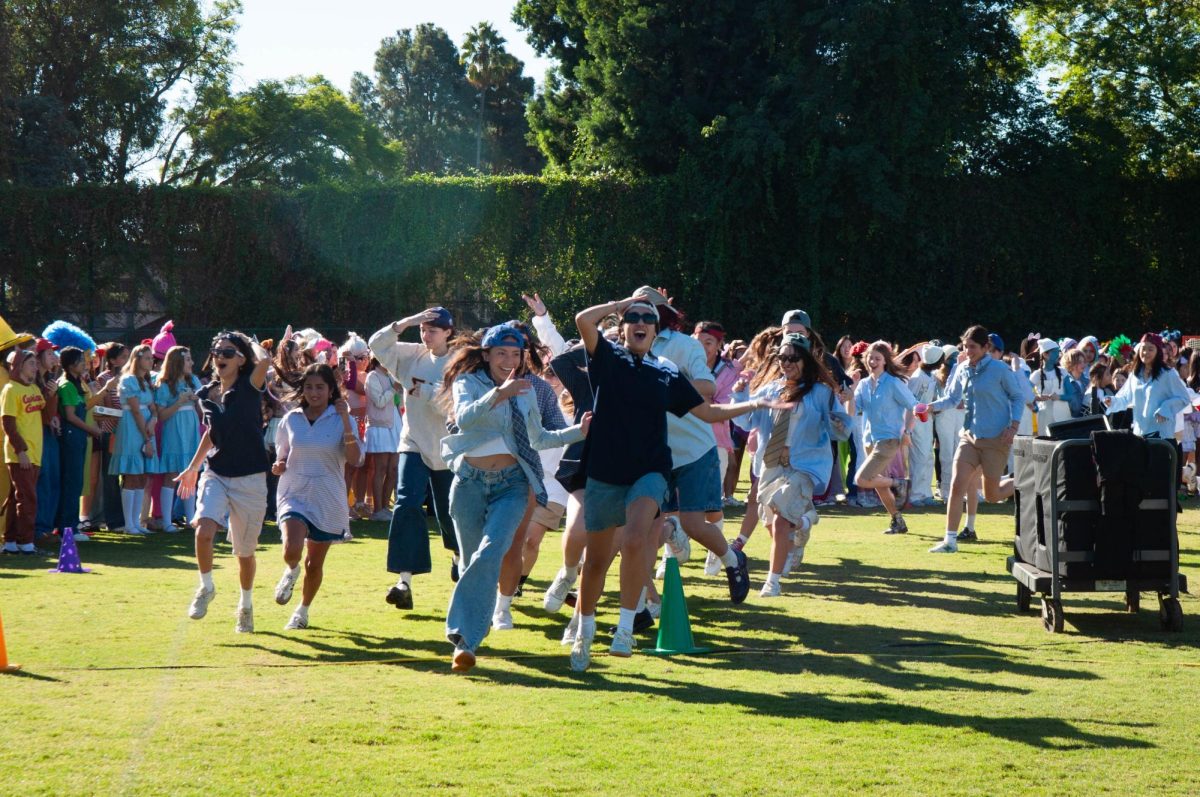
point(1040, 252)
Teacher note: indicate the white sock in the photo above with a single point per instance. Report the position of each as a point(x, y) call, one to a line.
point(166, 499)
point(503, 602)
point(206, 580)
point(642, 600)
point(951, 536)
point(246, 602)
point(571, 573)
point(405, 578)
point(729, 558)
point(291, 571)
point(743, 539)
point(127, 509)
point(302, 611)
point(626, 619)
point(971, 520)
point(138, 500)
point(587, 625)
point(773, 579)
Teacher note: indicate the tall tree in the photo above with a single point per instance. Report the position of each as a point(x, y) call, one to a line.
point(503, 92)
point(420, 97)
point(87, 82)
point(286, 133)
point(1125, 77)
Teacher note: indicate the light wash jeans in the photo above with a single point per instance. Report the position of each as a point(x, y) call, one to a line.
point(487, 506)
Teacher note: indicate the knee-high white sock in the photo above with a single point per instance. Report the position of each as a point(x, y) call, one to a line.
point(127, 508)
point(971, 520)
point(166, 499)
point(189, 509)
point(139, 497)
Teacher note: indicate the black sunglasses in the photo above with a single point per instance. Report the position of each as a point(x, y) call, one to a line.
point(791, 358)
point(640, 318)
point(228, 353)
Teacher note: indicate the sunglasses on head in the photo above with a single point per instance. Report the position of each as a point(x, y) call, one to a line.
point(639, 318)
point(228, 353)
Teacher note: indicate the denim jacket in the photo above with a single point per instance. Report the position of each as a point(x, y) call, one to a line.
point(478, 421)
point(809, 444)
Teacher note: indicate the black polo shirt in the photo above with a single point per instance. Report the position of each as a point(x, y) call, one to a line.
point(628, 436)
point(235, 424)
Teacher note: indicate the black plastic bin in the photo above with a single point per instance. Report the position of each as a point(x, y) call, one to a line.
point(1070, 537)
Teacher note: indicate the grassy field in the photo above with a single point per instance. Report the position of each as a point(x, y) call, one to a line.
point(883, 670)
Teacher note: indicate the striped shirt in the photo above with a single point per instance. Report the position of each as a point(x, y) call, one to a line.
point(314, 483)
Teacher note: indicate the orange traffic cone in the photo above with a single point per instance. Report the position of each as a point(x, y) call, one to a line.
point(4, 665)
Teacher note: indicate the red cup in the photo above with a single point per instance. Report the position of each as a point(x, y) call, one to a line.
point(922, 411)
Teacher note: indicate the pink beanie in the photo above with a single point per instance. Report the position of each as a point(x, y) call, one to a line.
point(163, 341)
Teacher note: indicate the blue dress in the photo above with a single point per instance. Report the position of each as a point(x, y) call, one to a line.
point(181, 432)
point(127, 456)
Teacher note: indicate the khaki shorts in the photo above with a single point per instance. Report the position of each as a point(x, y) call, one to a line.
point(241, 499)
point(789, 494)
point(989, 453)
point(879, 459)
point(549, 515)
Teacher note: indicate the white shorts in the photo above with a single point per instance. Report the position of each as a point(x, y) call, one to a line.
point(243, 499)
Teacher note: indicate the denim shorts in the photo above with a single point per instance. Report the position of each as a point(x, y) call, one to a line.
point(313, 534)
point(696, 487)
point(604, 504)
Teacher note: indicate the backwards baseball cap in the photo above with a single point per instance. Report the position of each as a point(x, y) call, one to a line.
point(503, 335)
point(932, 355)
point(950, 350)
point(796, 317)
point(797, 340)
point(996, 341)
point(443, 321)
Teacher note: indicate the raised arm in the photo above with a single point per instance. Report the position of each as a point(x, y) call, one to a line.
point(587, 321)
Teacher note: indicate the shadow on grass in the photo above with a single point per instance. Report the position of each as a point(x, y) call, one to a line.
point(33, 676)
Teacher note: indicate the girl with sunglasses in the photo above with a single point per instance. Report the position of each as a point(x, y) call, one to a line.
point(629, 460)
point(234, 484)
point(135, 453)
point(794, 458)
point(495, 470)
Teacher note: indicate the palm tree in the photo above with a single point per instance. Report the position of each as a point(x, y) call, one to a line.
point(488, 65)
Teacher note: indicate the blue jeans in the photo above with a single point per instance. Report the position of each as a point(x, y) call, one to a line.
point(73, 460)
point(487, 506)
point(408, 534)
point(48, 484)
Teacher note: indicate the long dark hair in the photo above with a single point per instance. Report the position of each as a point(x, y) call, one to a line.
point(242, 344)
point(112, 352)
point(68, 357)
point(812, 373)
point(1193, 370)
point(327, 375)
point(1156, 367)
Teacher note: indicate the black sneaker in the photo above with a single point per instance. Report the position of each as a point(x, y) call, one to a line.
point(400, 596)
point(898, 526)
point(454, 570)
point(642, 621)
point(967, 535)
point(739, 578)
point(520, 587)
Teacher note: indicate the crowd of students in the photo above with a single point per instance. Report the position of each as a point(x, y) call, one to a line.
point(630, 435)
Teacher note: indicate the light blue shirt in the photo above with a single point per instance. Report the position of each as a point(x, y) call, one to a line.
point(1166, 396)
point(689, 437)
point(809, 442)
point(882, 403)
point(478, 422)
point(990, 392)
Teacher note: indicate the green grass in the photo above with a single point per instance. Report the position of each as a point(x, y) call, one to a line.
point(883, 670)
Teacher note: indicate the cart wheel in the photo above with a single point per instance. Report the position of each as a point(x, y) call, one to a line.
point(1052, 616)
point(1133, 601)
point(1170, 614)
point(1024, 597)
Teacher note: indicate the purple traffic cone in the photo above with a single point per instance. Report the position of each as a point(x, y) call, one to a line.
point(68, 555)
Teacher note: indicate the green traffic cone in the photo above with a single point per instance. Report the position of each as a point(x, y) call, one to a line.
point(674, 627)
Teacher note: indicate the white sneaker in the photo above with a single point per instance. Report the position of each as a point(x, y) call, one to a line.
point(172, 529)
point(245, 621)
point(712, 565)
point(677, 540)
point(770, 590)
point(287, 583)
point(794, 557)
point(568, 637)
point(80, 536)
point(502, 620)
point(581, 652)
point(622, 644)
point(200, 602)
point(946, 546)
point(661, 572)
point(136, 532)
point(556, 593)
point(655, 609)
point(298, 622)
point(381, 515)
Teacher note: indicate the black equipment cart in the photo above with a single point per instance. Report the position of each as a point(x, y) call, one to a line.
point(1096, 515)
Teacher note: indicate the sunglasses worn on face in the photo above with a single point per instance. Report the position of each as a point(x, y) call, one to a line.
point(640, 318)
point(228, 354)
point(791, 358)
